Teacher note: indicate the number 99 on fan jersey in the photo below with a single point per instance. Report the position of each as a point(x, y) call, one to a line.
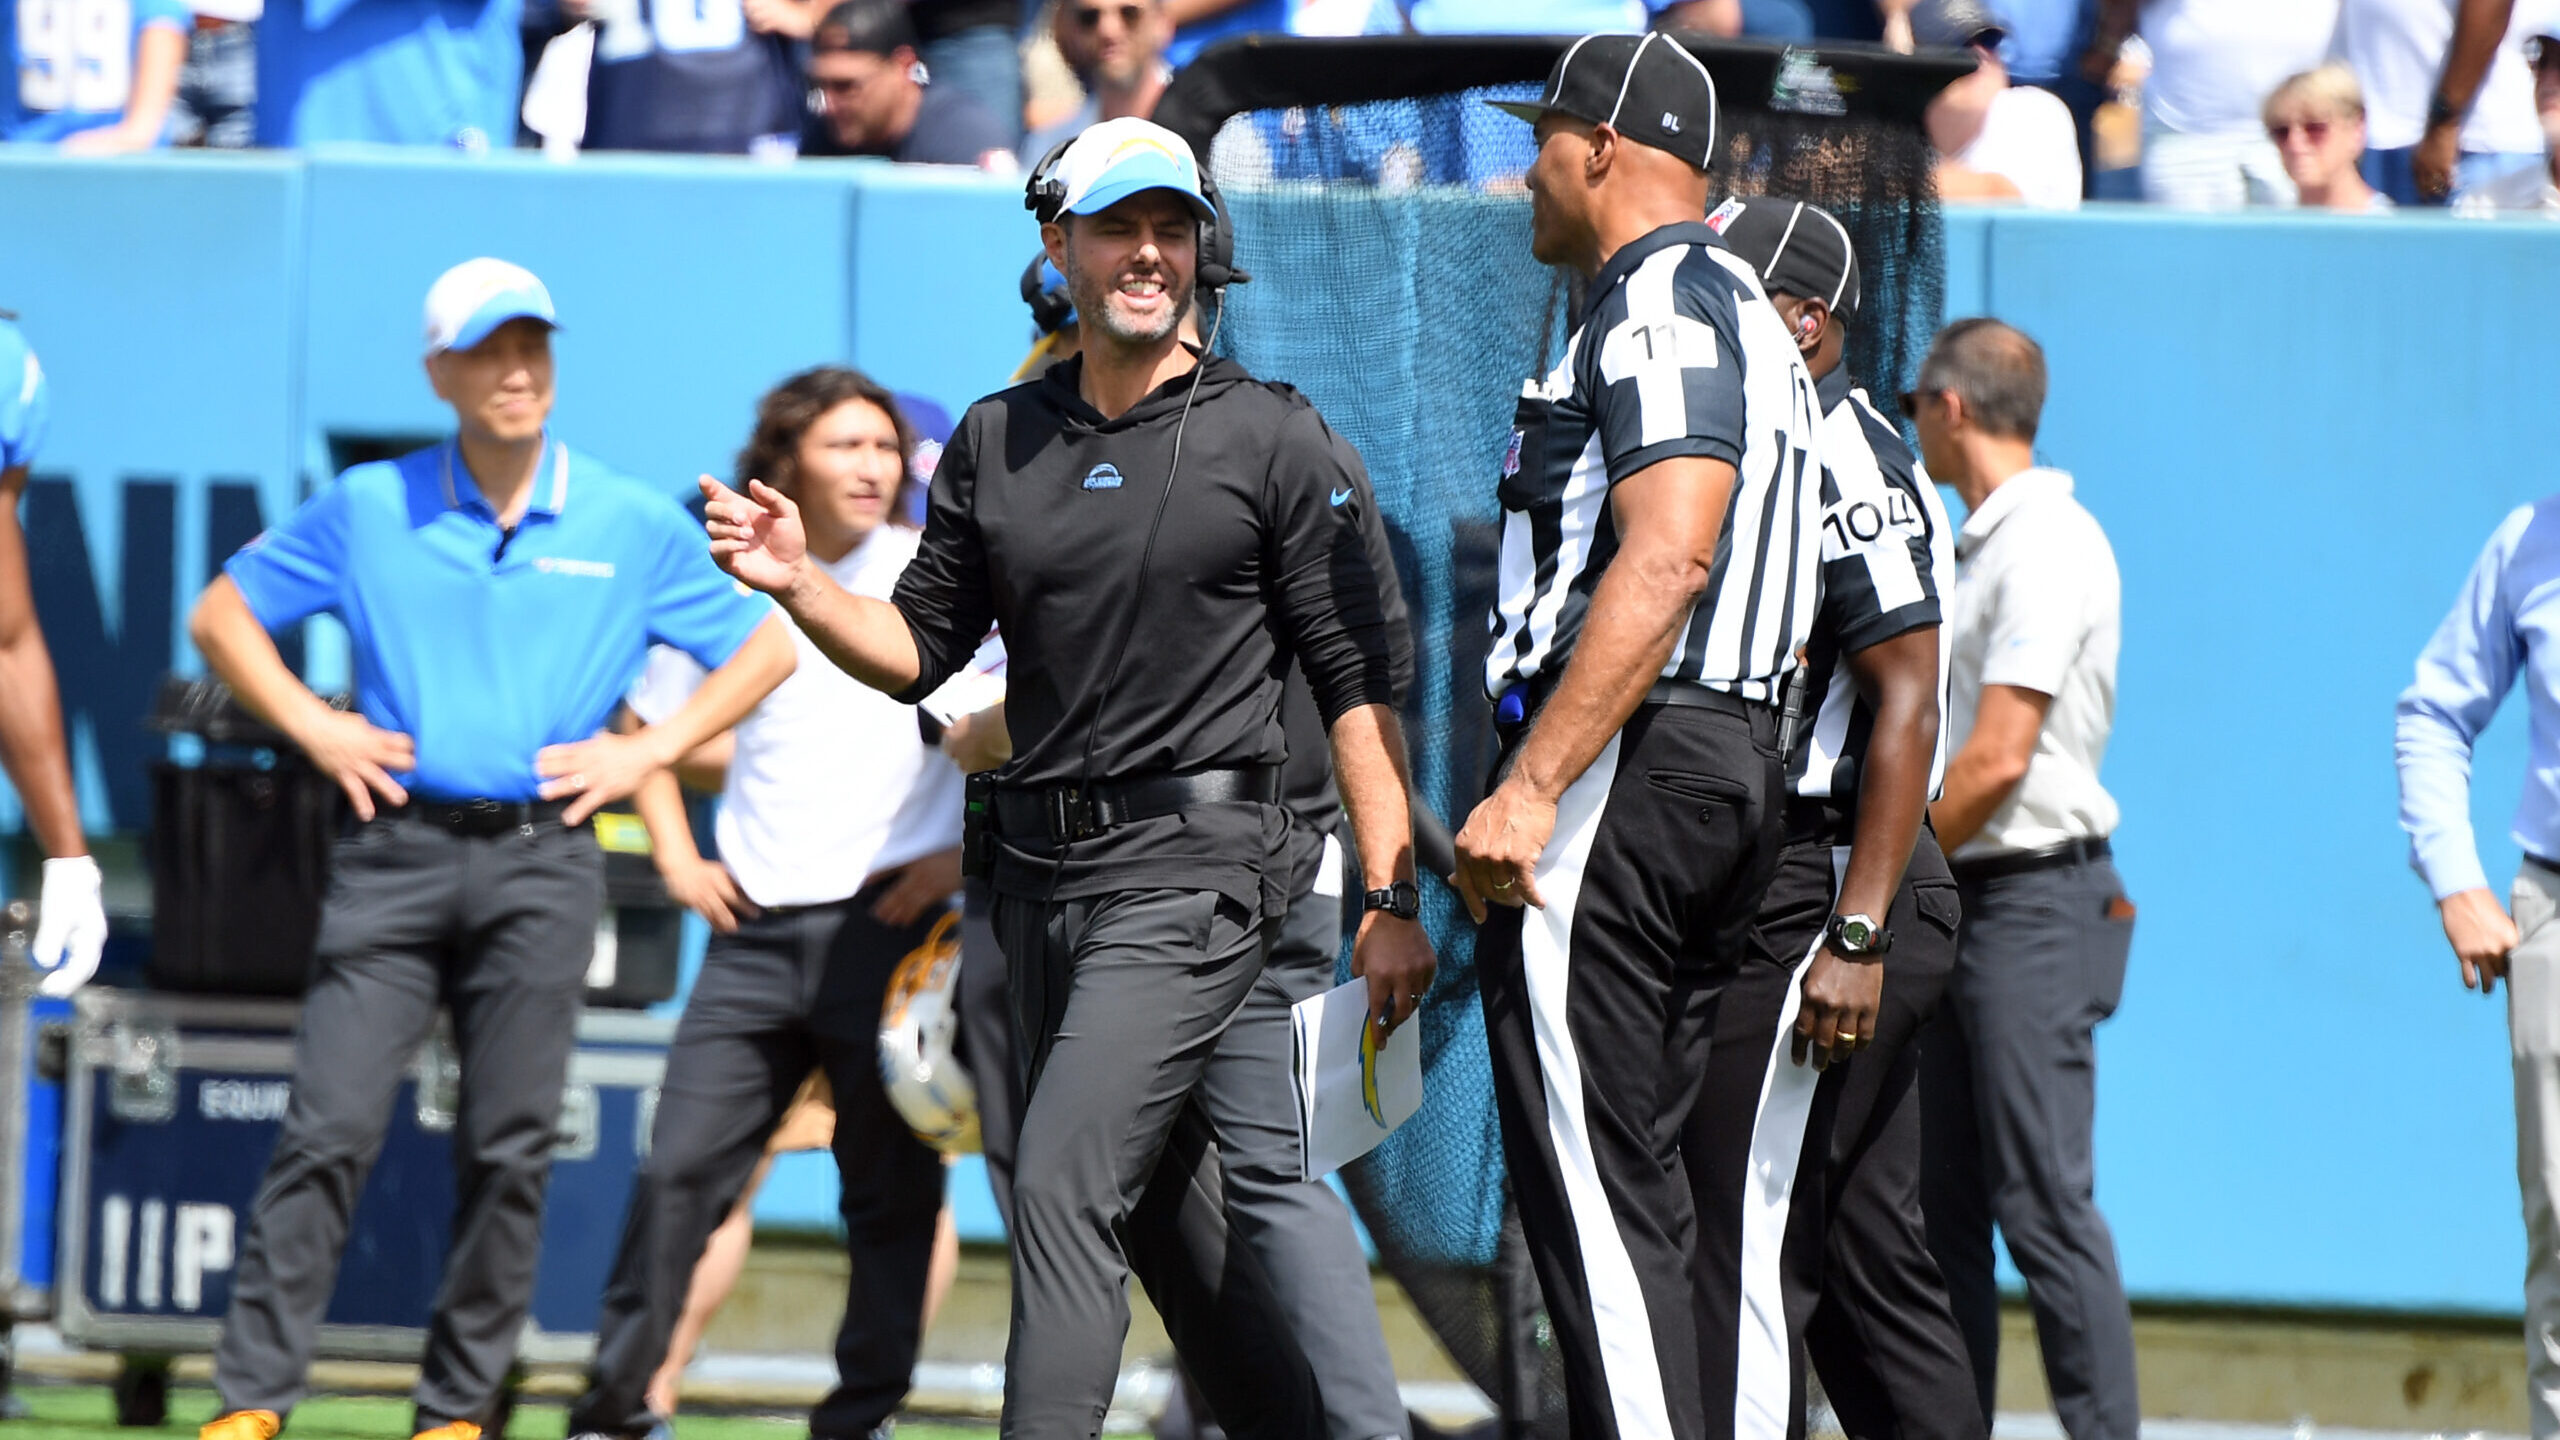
point(75, 60)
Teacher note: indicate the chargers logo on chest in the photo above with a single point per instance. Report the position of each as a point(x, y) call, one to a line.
point(1102, 477)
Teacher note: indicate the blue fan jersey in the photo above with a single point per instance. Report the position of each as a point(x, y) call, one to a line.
point(689, 76)
point(396, 72)
point(75, 61)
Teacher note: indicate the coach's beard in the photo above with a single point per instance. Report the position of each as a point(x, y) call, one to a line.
point(1103, 301)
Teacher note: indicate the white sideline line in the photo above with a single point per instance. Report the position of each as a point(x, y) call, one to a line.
point(2025, 1425)
point(961, 1387)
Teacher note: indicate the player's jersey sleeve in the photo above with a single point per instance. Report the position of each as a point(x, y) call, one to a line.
point(298, 568)
point(175, 14)
point(1876, 578)
point(1326, 588)
point(25, 401)
point(694, 605)
point(943, 593)
point(1665, 370)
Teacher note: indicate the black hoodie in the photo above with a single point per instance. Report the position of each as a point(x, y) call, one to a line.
point(1039, 514)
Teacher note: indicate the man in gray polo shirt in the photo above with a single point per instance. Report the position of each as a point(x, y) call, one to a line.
point(2009, 1066)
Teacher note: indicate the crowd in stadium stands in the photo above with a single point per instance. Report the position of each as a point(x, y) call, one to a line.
point(2200, 104)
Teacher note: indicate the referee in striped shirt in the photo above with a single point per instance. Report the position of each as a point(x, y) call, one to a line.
point(1635, 664)
point(1810, 1236)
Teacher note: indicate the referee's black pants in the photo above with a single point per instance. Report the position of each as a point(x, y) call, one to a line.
point(1120, 1000)
point(788, 991)
point(1599, 1012)
point(497, 929)
point(1811, 1242)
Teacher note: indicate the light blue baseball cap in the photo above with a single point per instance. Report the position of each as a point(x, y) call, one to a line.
point(1116, 159)
point(474, 298)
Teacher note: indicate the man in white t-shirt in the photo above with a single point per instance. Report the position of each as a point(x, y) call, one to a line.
point(2448, 95)
point(2534, 189)
point(839, 839)
point(2009, 1064)
point(2213, 63)
point(1994, 140)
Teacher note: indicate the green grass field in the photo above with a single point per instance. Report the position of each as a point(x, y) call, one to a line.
point(85, 1412)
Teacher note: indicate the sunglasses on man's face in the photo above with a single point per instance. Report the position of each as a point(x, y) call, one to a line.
point(1089, 17)
point(2315, 131)
point(1911, 402)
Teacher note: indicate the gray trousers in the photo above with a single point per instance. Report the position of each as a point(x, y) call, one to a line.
point(498, 930)
point(1119, 1002)
point(2008, 1090)
point(1299, 1230)
point(1314, 1278)
point(2533, 1034)
point(793, 989)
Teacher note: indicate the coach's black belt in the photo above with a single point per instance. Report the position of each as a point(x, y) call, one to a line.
point(481, 818)
point(1068, 812)
point(1996, 867)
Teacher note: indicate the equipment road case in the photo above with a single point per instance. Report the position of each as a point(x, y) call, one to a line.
point(172, 1104)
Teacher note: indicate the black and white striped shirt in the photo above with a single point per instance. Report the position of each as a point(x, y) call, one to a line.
point(1888, 555)
point(1679, 353)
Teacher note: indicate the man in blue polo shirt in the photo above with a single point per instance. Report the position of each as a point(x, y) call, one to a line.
point(500, 593)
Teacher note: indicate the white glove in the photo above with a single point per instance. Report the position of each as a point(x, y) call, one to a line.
point(71, 924)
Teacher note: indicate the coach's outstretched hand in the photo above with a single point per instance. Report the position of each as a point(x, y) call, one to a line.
point(1499, 847)
point(756, 536)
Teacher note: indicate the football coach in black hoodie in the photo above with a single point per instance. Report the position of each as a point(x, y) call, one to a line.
point(1151, 527)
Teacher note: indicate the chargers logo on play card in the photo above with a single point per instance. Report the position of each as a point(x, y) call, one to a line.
point(1102, 477)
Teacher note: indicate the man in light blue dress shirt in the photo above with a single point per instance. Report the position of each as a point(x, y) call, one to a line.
point(2506, 621)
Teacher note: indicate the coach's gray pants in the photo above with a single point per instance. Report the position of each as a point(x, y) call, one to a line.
point(1313, 1278)
point(1119, 1002)
point(2533, 1037)
point(499, 930)
point(1299, 1230)
point(2008, 1086)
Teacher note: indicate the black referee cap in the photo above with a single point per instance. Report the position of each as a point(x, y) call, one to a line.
point(1645, 87)
point(1799, 249)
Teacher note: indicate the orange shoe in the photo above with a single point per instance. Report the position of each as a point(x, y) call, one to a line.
point(242, 1425)
point(450, 1430)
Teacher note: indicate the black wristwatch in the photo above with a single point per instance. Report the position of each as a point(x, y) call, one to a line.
point(1856, 937)
point(1403, 900)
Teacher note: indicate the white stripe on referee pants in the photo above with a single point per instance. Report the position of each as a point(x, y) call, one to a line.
point(1624, 1328)
point(1764, 1369)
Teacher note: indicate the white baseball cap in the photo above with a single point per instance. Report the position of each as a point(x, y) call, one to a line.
point(1116, 159)
point(475, 297)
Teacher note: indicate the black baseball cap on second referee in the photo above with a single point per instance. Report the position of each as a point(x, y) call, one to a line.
point(1799, 249)
point(1645, 87)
